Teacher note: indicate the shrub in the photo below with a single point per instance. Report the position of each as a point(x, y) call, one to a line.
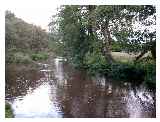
point(17, 57)
point(134, 72)
point(96, 63)
point(143, 71)
point(149, 65)
point(21, 58)
point(127, 72)
point(39, 56)
point(150, 77)
point(8, 111)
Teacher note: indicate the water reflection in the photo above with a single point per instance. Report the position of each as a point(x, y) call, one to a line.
point(36, 104)
point(58, 90)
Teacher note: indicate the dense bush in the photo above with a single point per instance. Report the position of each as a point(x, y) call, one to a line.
point(96, 63)
point(116, 47)
point(150, 73)
point(25, 58)
point(18, 57)
point(127, 72)
point(39, 56)
point(149, 65)
point(131, 72)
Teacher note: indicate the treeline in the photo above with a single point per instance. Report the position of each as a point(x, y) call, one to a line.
point(88, 34)
point(23, 41)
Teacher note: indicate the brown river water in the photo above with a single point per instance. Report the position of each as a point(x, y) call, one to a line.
point(56, 90)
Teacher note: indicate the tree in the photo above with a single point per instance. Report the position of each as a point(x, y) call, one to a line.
point(22, 36)
point(147, 37)
point(73, 33)
point(89, 30)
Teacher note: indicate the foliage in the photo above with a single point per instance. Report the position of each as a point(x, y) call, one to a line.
point(23, 39)
point(116, 46)
point(8, 111)
point(79, 26)
point(149, 65)
point(127, 72)
point(18, 57)
point(142, 71)
point(88, 34)
point(39, 56)
point(73, 34)
point(21, 35)
point(96, 63)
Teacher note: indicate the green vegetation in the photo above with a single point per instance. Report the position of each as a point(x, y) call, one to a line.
point(18, 57)
point(128, 70)
point(133, 72)
point(149, 66)
point(39, 56)
point(8, 111)
point(25, 42)
point(25, 58)
point(100, 39)
point(93, 38)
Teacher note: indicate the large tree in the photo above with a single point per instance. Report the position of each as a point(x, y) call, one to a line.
point(89, 30)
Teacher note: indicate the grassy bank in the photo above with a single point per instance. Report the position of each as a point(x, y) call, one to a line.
point(8, 111)
point(25, 57)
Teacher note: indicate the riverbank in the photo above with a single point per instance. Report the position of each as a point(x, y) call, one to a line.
point(124, 68)
point(8, 111)
point(25, 57)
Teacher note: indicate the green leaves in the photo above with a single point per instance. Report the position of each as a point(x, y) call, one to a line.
point(88, 32)
point(39, 56)
point(8, 111)
point(22, 39)
point(22, 35)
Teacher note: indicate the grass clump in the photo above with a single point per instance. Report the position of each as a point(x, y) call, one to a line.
point(8, 111)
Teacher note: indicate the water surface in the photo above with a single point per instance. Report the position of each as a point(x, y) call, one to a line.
point(55, 89)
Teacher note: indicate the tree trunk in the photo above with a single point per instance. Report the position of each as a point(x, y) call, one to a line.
point(153, 50)
point(140, 55)
point(107, 43)
point(148, 47)
point(91, 19)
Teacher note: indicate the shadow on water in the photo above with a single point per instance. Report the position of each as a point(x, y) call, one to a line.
point(58, 90)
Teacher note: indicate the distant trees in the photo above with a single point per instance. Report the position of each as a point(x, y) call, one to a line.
point(22, 36)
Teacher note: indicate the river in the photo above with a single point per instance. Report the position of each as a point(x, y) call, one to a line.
point(56, 90)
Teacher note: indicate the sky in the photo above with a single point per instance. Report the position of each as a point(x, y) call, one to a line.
point(38, 12)
point(37, 16)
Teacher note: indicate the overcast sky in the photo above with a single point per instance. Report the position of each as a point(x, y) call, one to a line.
point(36, 16)
point(39, 12)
